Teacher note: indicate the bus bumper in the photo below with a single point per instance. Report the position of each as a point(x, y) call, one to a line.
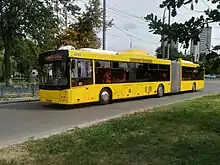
point(54, 97)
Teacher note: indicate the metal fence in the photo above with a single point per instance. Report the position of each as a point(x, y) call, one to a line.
point(28, 90)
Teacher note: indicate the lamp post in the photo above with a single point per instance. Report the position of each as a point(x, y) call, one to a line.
point(162, 37)
point(104, 26)
point(130, 39)
point(168, 44)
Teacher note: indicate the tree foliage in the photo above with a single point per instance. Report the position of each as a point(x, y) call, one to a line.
point(25, 52)
point(30, 19)
point(1, 66)
point(212, 63)
point(83, 33)
point(30, 27)
point(174, 54)
point(216, 48)
point(189, 30)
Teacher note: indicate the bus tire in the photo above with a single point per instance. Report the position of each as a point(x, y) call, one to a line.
point(194, 87)
point(105, 96)
point(160, 91)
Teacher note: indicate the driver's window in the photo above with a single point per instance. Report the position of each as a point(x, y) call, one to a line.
point(86, 68)
point(81, 72)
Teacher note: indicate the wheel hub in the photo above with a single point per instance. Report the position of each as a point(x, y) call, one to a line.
point(194, 87)
point(105, 96)
point(160, 91)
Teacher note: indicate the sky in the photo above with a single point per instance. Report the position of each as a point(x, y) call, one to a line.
point(130, 27)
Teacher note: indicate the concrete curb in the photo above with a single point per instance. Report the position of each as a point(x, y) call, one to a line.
point(3, 102)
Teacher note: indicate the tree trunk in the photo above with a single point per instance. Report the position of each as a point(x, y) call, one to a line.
point(28, 73)
point(3, 70)
point(8, 50)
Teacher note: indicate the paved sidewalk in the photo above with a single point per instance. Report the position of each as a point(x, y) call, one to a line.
point(18, 100)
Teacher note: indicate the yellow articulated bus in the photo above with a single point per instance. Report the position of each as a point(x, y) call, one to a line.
point(92, 75)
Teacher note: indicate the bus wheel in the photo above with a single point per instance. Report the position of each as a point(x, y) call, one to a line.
point(160, 91)
point(105, 96)
point(194, 87)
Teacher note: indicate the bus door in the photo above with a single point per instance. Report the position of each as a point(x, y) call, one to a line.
point(81, 78)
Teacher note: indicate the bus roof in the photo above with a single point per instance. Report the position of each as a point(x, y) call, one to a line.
point(67, 47)
point(133, 55)
point(188, 63)
point(99, 51)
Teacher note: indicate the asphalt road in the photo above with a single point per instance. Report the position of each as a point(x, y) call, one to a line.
point(19, 122)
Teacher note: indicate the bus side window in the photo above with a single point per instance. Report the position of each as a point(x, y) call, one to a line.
point(74, 70)
point(119, 72)
point(82, 72)
point(187, 73)
point(142, 73)
point(107, 76)
point(101, 74)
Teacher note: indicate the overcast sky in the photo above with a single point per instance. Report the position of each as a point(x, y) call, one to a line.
point(128, 21)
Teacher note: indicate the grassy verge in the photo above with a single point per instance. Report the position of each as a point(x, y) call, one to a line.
point(184, 133)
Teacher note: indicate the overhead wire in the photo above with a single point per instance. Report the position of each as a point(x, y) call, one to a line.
point(136, 18)
point(128, 16)
point(126, 13)
point(132, 16)
point(139, 20)
point(194, 10)
point(123, 14)
point(205, 4)
point(133, 36)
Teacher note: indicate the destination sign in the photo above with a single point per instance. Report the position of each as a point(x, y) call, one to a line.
point(55, 57)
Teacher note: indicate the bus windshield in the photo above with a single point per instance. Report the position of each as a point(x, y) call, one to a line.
point(53, 73)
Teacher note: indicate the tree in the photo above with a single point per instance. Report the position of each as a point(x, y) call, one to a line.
point(2, 62)
point(211, 62)
point(25, 52)
point(158, 52)
point(183, 32)
point(83, 33)
point(173, 54)
point(29, 19)
point(89, 24)
point(1, 65)
point(67, 37)
point(216, 48)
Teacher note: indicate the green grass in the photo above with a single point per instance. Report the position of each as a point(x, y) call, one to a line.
point(184, 133)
